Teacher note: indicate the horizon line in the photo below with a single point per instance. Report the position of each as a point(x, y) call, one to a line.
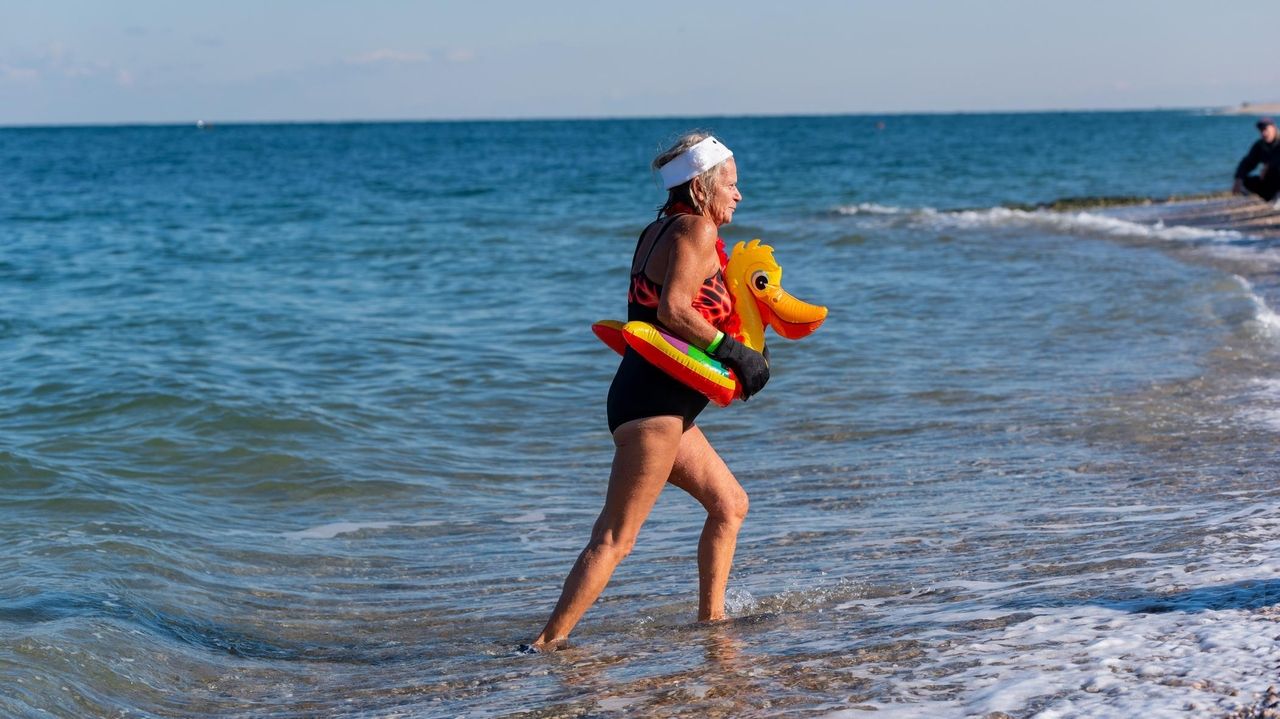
point(1211, 109)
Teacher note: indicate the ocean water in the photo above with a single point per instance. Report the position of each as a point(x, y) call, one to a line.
point(307, 420)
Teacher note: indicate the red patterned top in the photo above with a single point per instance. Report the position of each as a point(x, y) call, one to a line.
point(712, 301)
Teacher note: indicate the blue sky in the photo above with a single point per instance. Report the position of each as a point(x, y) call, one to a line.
point(87, 61)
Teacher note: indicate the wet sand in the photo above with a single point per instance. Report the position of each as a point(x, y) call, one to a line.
point(1250, 215)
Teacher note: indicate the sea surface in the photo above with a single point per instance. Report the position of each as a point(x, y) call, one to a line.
point(308, 421)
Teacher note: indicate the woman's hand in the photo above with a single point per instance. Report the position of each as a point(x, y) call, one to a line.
point(750, 366)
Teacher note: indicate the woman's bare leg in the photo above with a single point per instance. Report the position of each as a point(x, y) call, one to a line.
point(699, 471)
point(645, 451)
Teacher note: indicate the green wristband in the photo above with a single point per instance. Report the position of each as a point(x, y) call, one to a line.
point(715, 342)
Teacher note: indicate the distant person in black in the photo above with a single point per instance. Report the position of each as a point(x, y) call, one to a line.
point(1267, 152)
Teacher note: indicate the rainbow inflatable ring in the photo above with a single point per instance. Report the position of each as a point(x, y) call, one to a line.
point(754, 280)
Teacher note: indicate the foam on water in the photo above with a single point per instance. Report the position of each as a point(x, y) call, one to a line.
point(337, 529)
point(527, 517)
point(1265, 317)
point(1068, 222)
point(1264, 405)
point(1200, 639)
point(1082, 222)
point(872, 208)
point(1268, 258)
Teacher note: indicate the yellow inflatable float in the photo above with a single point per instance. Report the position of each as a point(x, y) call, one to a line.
point(754, 280)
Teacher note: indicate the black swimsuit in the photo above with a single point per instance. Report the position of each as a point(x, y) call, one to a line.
point(639, 389)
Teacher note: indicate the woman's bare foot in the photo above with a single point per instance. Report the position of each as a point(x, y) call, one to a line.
point(553, 645)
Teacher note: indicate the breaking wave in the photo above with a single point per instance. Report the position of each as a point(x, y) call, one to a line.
point(1068, 222)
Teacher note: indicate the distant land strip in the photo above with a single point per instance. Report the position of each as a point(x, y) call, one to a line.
point(1252, 108)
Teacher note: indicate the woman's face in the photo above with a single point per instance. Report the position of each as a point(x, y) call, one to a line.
point(725, 199)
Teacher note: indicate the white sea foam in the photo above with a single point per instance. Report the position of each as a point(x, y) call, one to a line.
point(738, 601)
point(1264, 409)
point(1267, 257)
point(1203, 639)
point(329, 531)
point(527, 517)
point(872, 208)
point(1075, 222)
point(335, 529)
point(1069, 222)
point(1266, 318)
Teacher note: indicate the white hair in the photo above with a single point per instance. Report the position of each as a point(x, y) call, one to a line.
point(704, 184)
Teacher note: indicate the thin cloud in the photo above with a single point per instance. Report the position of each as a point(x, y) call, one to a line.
point(84, 69)
point(19, 74)
point(56, 62)
point(389, 57)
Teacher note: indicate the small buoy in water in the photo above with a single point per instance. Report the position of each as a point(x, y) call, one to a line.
point(200, 124)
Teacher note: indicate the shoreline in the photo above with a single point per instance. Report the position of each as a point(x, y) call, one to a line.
point(1251, 108)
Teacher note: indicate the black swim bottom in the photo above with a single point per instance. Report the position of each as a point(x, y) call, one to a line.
point(641, 390)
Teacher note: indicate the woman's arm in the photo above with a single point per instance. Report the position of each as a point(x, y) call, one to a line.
point(691, 259)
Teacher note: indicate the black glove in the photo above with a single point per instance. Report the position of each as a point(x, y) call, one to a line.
point(750, 366)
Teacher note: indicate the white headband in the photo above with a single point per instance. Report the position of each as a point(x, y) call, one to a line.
point(693, 162)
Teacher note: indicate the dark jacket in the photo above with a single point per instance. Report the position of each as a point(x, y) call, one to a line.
point(1260, 152)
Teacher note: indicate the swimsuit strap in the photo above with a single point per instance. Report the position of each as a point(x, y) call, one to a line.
point(653, 246)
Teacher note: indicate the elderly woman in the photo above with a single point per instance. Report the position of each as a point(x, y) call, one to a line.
point(677, 282)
